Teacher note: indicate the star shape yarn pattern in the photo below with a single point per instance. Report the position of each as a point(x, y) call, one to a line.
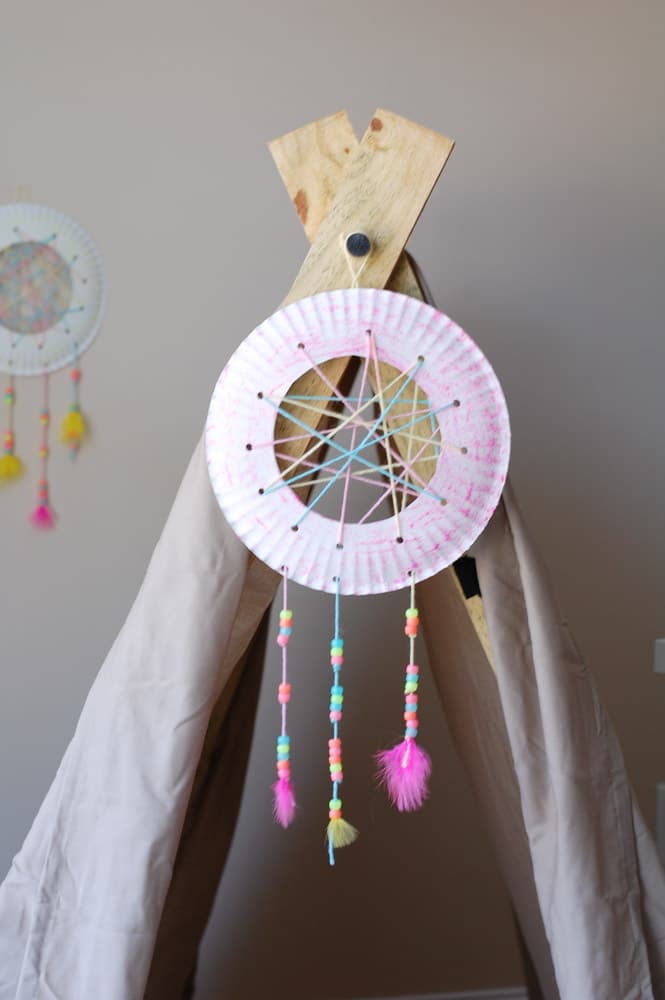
point(394, 418)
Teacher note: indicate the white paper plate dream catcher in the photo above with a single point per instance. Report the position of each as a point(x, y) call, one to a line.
point(51, 301)
point(361, 493)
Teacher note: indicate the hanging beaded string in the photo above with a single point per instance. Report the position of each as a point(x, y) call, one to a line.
point(11, 465)
point(284, 805)
point(42, 516)
point(339, 833)
point(411, 679)
point(404, 770)
point(73, 427)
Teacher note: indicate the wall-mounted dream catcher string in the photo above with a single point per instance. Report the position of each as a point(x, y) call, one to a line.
point(361, 493)
point(51, 301)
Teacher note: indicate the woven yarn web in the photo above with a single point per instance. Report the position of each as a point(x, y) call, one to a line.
point(377, 446)
point(35, 287)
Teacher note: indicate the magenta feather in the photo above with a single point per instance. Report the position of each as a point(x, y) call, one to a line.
point(42, 516)
point(404, 772)
point(284, 805)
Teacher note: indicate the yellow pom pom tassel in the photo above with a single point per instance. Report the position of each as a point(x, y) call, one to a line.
point(73, 429)
point(11, 467)
point(340, 833)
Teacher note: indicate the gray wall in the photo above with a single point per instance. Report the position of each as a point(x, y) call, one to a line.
point(148, 122)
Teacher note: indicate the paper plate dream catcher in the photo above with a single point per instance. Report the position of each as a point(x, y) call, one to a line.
point(361, 493)
point(51, 300)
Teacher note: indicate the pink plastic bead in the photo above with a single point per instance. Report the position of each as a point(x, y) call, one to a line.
point(282, 640)
point(337, 660)
point(335, 716)
point(284, 694)
point(412, 668)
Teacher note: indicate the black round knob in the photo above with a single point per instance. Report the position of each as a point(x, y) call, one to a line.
point(358, 244)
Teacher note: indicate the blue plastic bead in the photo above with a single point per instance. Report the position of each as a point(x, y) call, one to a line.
point(282, 756)
point(410, 731)
point(337, 689)
point(283, 739)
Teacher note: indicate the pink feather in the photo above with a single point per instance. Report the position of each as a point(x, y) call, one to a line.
point(404, 772)
point(42, 516)
point(284, 805)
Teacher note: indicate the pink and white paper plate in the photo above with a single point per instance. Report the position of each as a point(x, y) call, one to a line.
point(51, 289)
point(469, 422)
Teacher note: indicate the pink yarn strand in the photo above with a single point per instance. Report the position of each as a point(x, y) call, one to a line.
point(284, 800)
point(404, 770)
point(42, 516)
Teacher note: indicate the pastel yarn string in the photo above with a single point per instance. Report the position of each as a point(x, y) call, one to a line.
point(347, 454)
point(404, 770)
point(43, 516)
point(11, 465)
point(339, 833)
point(284, 802)
point(284, 479)
point(73, 428)
point(356, 265)
point(326, 436)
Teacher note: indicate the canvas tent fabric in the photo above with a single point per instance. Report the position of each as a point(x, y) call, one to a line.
point(101, 877)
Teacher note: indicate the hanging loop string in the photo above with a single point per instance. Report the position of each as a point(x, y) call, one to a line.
point(42, 516)
point(11, 465)
point(339, 833)
point(284, 802)
point(357, 249)
point(404, 770)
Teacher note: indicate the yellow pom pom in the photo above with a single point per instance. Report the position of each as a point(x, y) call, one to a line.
point(340, 833)
point(73, 429)
point(11, 467)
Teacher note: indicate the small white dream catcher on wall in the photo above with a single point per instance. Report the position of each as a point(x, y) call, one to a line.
point(423, 433)
point(51, 303)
